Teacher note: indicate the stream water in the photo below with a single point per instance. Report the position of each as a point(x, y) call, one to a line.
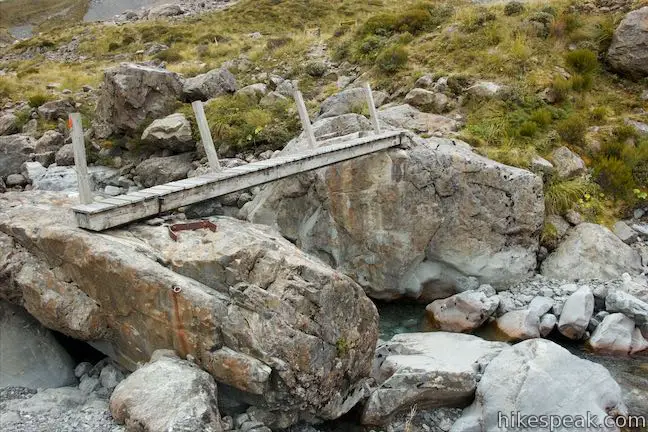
point(630, 372)
point(21, 17)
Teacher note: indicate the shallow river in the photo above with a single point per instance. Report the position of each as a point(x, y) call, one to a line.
point(21, 16)
point(631, 373)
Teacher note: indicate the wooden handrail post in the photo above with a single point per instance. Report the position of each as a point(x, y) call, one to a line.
point(373, 114)
point(205, 136)
point(305, 120)
point(80, 162)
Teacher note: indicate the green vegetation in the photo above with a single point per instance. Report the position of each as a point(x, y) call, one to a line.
point(239, 122)
point(549, 56)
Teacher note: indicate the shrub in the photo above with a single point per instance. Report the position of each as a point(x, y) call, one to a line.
point(572, 129)
point(542, 17)
point(615, 176)
point(542, 117)
point(528, 129)
point(369, 47)
point(582, 61)
point(37, 99)
point(561, 196)
point(599, 113)
point(560, 88)
point(170, 55)
point(239, 122)
point(392, 58)
point(581, 83)
point(513, 8)
point(316, 69)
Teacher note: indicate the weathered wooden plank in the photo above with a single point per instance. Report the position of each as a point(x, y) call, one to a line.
point(205, 136)
point(151, 201)
point(80, 163)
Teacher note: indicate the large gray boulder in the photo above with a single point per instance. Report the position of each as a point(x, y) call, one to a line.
point(613, 335)
point(8, 123)
point(409, 223)
point(427, 101)
point(408, 117)
point(353, 100)
point(540, 377)
point(172, 132)
point(567, 163)
point(591, 251)
point(64, 178)
point(160, 170)
point(628, 52)
point(29, 355)
point(463, 312)
point(166, 395)
point(132, 95)
point(428, 370)
point(279, 328)
point(56, 109)
point(576, 313)
point(620, 301)
point(165, 10)
point(14, 151)
point(52, 140)
point(209, 85)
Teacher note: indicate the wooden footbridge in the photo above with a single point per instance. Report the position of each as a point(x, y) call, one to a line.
point(122, 209)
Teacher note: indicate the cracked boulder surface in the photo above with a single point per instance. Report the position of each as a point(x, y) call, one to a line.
point(409, 222)
point(280, 328)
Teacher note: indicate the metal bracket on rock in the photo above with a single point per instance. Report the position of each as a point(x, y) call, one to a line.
point(175, 228)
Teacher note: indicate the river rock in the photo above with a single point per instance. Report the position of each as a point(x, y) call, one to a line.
point(628, 51)
point(254, 91)
point(427, 370)
point(538, 376)
point(408, 117)
point(591, 251)
point(547, 324)
point(409, 223)
point(160, 170)
point(613, 335)
point(625, 233)
point(427, 101)
point(188, 400)
point(619, 301)
point(65, 155)
point(8, 124)
point(64, 179)
point(567, 163)
point(63, 409)
point(165, 10)
point(462, 312)
point(58, 109)
point(172, 132)
point(519, 325)
point(576, 313)
point(29, 355)
point(14, 180)
point(51, 140)
point(131, 95)
point(349, 101)
point(280, 329)
point(209, 85)
point(488, 90)
point(14, 151)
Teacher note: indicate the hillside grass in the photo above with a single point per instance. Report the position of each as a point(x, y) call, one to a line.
point(539, 49)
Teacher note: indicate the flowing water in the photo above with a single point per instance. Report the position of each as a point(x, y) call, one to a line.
point(630, 372)
point(22, 17)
